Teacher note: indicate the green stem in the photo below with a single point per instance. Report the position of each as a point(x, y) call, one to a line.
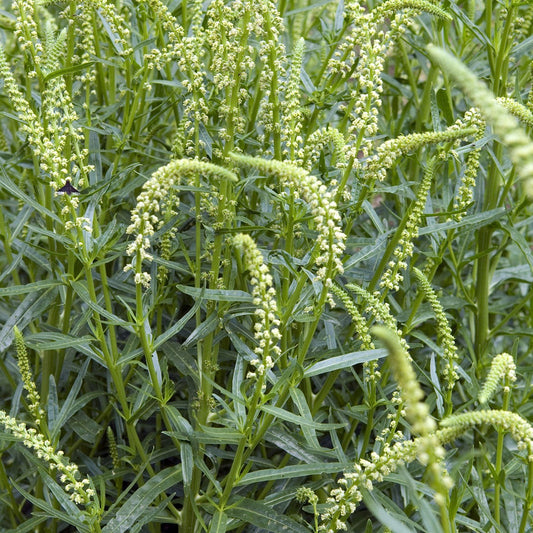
point(527, 501)
point(484, 264)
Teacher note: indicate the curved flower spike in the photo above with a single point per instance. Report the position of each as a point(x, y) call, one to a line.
point(155, 194)
point(502, 122)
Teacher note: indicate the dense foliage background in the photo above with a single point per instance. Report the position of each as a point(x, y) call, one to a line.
point(206, 207)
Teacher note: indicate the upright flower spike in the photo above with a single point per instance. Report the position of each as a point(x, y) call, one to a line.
point(362, 329)
point(228, 29)
point(269, 27)
point(502, 371)
point(430, 451)
point(58, 115)
point(416, 411)
point(392, 277)
point(27, 32)
point(503, 123)
point(292, 109)
point(266, 328)
point(113, 449)
point(446, 339)
point(358, 319)
point(27, 378)
point(368, 86)
point(331, 239)
point(465, 193)
point(159, 57)
point(152, 200)
point(43, 147)
point(380, 310)
point(366, 46)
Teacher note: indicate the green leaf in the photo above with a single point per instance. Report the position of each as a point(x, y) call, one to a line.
point(443, 101)
point(149, 516)
point(182, 359)
point(293, 471)
point(386, 517)
point(31, 307)
point(68, 408)
point(296, 419)
point(135, 506)
point(181, 425)
point(186, 463)
point(52, 512)
point(52, 403)
point(218, 436)
point(85, 427)
point(369, 251)
point(32, 254)
point(12, 189)
point(83, 293)
point(469, 222)
point(219, 522)
point(210, 324)
point(521, 273)
point(171, 265)
point(217, 295)
point(428, 513)
point(55, 341)
point(15, 290)
point(344, 361)
point(309, 433)
point(177, 327)
point(519, 239)
point(68, 70)
point(264, 517)
point(289, 444)
point(28, 525)
point(306, 80)
point(236, 382)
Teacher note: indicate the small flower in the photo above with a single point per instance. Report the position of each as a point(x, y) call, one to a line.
point(305, 494)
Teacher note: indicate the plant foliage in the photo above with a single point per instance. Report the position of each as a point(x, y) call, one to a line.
point(265, 266)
